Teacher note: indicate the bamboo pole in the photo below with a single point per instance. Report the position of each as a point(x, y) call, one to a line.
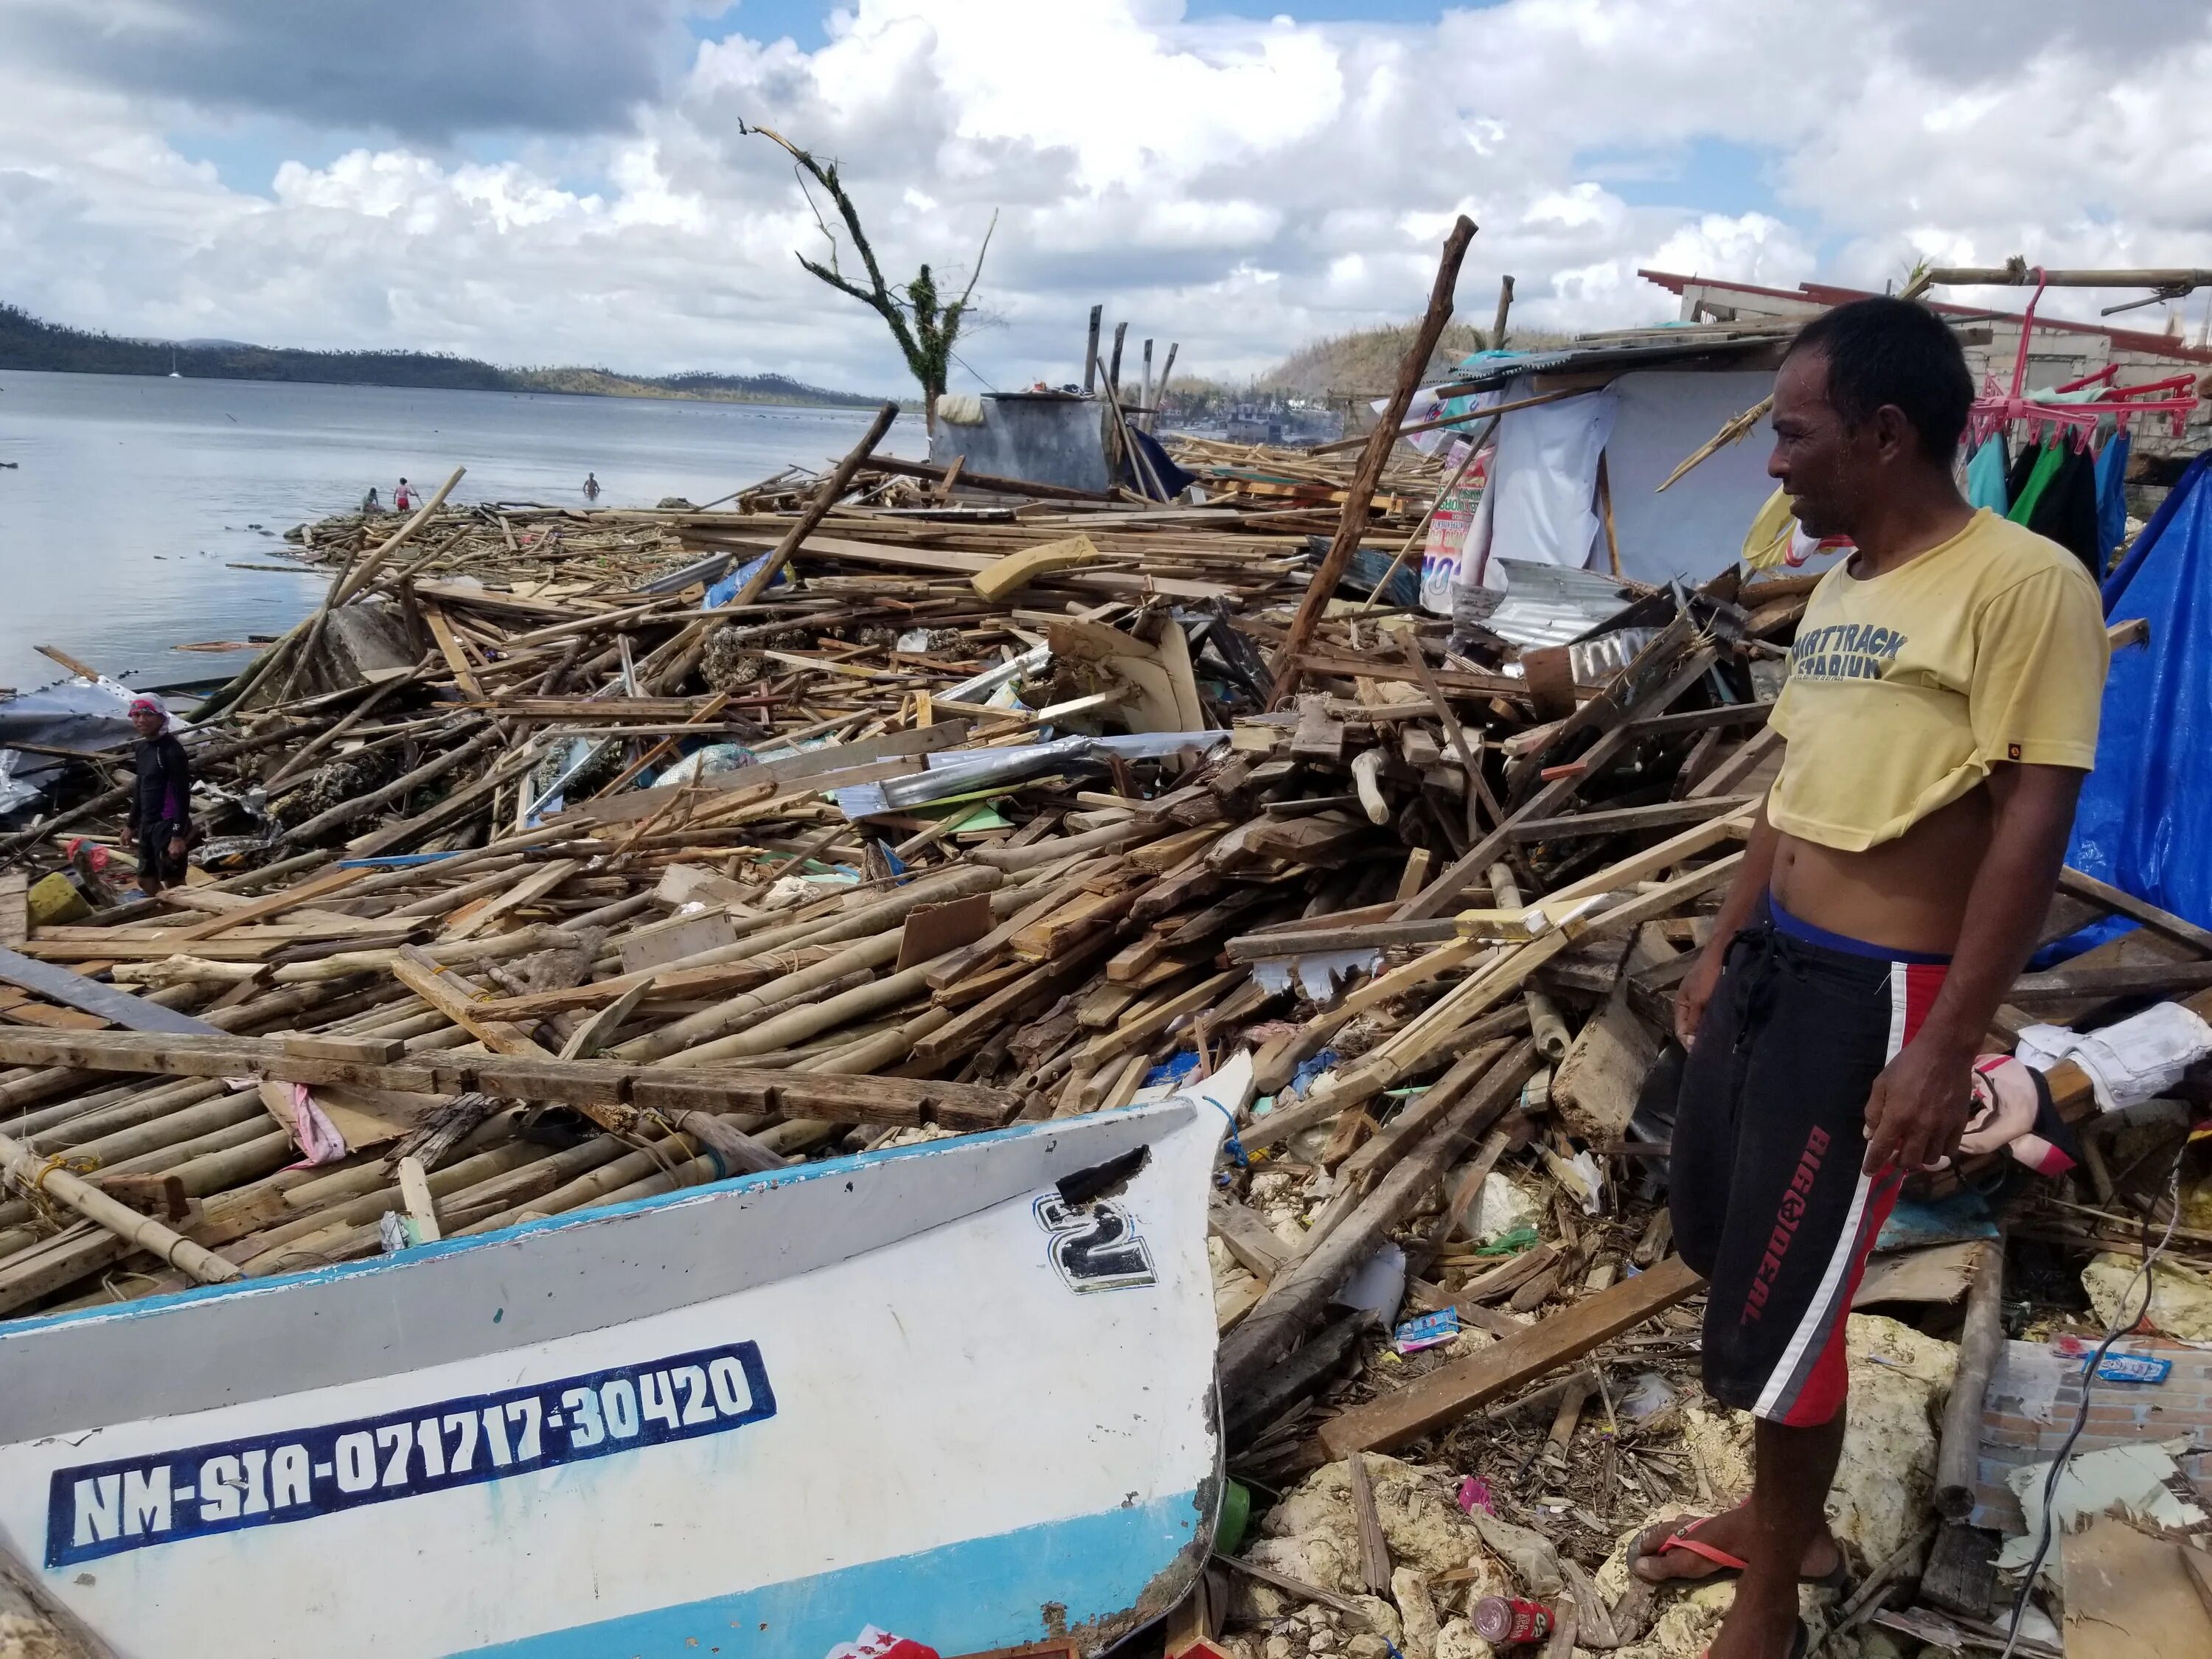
point(29, 1169)
point(1351, 524)
point(825, 498)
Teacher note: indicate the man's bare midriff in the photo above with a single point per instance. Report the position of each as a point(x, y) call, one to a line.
point(1908, 894)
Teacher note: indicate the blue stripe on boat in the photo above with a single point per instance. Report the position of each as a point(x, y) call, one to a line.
point(957, 1598)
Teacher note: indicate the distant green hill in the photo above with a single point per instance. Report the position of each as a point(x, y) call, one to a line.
point(1367, 359)
point(28, 342)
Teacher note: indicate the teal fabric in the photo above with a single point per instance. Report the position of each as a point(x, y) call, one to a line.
point(1985, 477)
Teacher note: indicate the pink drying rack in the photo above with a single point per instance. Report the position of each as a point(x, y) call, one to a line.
point(1996, 408)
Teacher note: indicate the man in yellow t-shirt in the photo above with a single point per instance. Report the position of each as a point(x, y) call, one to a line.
point(1940, 714)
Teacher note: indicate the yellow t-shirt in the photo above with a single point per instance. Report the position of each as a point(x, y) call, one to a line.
point(1904, 689)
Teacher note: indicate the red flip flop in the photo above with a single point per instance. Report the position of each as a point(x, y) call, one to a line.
point(1837, 1579)
point(1684, 1538)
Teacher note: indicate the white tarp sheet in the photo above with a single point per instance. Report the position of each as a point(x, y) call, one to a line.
point(1540, 505)
point(1695, 530)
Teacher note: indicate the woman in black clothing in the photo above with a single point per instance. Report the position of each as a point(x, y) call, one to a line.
point(161, 805)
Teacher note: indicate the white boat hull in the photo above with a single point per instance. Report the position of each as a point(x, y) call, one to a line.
point(909, 1389)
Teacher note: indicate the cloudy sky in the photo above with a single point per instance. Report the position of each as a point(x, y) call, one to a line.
point(539, 182)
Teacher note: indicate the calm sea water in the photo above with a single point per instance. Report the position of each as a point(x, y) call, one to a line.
point(132, 498)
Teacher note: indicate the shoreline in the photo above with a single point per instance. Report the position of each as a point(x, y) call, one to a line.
point(860, 403)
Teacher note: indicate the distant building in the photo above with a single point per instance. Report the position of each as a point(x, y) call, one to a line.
point(2059, 350)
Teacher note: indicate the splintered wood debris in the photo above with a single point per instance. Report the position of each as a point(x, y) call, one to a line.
point(542, 876)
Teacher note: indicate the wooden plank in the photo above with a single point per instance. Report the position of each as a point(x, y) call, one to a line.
point(1701, 719)
point(2064, 985)
point(1642, 866)
point(58, 984)
point(577, 1082)
point(1660, 815)
point(1733, 772)
point(1422, 1114)
point(1443, 892)
point(528, 890)
point(27, 1012)
point(2084, 886)
point(319, 886)
point(1364, 936)
point(931, 930)
point(1444, 1394)
point(2129, 1596)
point(943, 561)
point(456, 998)
point(15, 914)
point(449, 647)
point(1374, 456)
point(1596, 1084)
point(784, 770)
point(422, 1208)
point(1374, 1548)
point(948, 974)
point(1251, 1241)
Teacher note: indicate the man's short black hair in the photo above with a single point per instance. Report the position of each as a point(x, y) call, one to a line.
point(1894, 351)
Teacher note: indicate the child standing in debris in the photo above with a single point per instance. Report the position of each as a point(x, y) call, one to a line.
point(403, 499)
point(1940, 714)
point(161, 815)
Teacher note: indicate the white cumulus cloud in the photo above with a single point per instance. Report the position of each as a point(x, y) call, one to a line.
point(584, 190)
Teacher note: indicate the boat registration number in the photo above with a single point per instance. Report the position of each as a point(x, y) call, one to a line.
point(97, 1510)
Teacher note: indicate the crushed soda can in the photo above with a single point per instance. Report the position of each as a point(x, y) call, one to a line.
point(1506, 1621)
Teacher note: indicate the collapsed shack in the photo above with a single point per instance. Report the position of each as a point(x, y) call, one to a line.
point(566, 858)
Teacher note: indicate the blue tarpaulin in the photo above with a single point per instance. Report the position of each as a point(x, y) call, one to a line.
point(2145, 820)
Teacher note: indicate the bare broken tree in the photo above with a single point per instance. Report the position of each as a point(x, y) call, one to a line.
point(924, 329)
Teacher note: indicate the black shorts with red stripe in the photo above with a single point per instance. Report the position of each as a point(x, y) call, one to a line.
point(1766, 1194)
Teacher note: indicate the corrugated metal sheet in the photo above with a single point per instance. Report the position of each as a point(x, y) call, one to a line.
point(1548, 605)
point(1642, 354)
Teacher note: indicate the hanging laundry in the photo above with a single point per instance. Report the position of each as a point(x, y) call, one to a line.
point(2112, 497)
point(2057, 498)
point(2068, 512)
point(1986, 476)
point(2031, 471)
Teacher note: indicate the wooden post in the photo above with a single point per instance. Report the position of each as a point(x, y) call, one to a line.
point(1090, 353)
point(1114, 366)
point(1160, 391)
point(1504, 305)
point(825, 498)
point(1958, 1453)
point(1605, 512)
point(1353, 522)
point(1144, 389)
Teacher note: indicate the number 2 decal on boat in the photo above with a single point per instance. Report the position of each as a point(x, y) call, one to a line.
point(1094, 1245)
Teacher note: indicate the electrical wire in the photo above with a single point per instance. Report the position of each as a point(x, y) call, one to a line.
point(963, 363)
point(2119, 1328)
